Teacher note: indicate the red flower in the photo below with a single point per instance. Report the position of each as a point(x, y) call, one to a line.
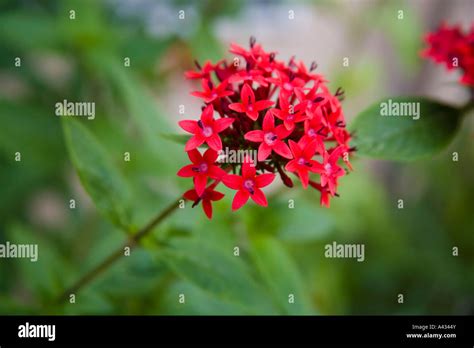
point(332, 171)
point(270, 138)
point(252, 75)
point(208, 196)
point(203, 72)
point(451, 47)
point(287, 113)
point(210, 93)
point(207, 130)
point(286, 84)
point(249, 105)
point(248, 185)
point(240, 93)
point(302, 162)
point(202, 168)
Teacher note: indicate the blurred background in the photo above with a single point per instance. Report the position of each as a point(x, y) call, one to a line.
point(407, 251)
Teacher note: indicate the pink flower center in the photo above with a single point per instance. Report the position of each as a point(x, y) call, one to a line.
point(249, 185)
point(312, 133)
point(213, 95)
point(250, 108)
point(328, 168)
point(290, 117)
point(288, 86)
point(203, 167)
point(207, 131)
point(270, 138)
point(301, 161)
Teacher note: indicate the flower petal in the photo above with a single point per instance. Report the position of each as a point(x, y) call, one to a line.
point(187, 171)
point(253, 115)
point(191, 195)
point(240, 198)
point(222, 123)
point(259, 197)
point(216, 172)
point(247, 95)
point(268, 122)
point(189, 126)
point(207, 207)
point(304, 176)
point(216, 196)
point(195, 156)
point(310, 149)
point(238, 107)
point(282, 149)
point(194, 142)
point(263, 180)
point(255, 136)
point(295, 149)
point(200, 182)
point(264, 151)
point(210, 156)
point(248, 169)
point(232, 181)
point(207, 115)
point(263, 104)
point(214, 142)
point(291, 166)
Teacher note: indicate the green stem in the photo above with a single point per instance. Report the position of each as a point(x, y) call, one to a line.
point(116, 255)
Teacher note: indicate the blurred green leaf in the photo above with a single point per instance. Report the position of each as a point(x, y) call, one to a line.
point(221, 274)
point(403, 138)
point(281, 275)
point(100, 178)
point(177, 138)
point(141, 107)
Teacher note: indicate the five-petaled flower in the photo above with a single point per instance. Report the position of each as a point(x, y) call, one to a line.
point(302, 162)
point(209, 93)
point(208, 196)
point(284, 112)
point(206, 130)
point(248, 185)
point(270, 138)
point(202, 167)
point(249, 105)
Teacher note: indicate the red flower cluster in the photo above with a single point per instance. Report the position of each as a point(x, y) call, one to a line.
point(282, 111)
point(453, 48)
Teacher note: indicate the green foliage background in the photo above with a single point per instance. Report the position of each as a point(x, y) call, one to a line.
point(408, 251)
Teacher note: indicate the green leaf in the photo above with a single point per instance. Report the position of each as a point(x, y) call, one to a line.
point(281, 275)
point(405, 138)
point(100, 178)
point(218, 272)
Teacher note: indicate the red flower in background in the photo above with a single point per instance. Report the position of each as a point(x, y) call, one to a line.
point(284, 112)
point(210, 93)
point(453, 48)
